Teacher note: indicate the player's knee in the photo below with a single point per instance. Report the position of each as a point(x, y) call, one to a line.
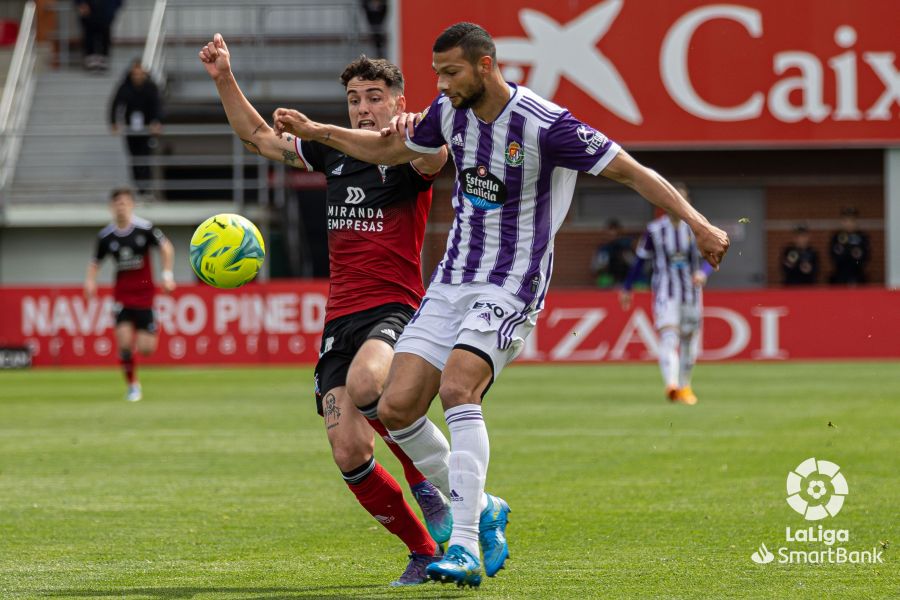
point(363, 387)
point(349, 455)
point(391, 415)
point(455, 394)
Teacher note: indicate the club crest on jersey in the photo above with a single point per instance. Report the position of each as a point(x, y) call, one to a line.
point(383, 170)
point(515, 154)
point(481, 188)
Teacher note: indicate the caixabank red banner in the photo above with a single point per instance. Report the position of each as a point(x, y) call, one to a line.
point(688, 72)
point(281, 323)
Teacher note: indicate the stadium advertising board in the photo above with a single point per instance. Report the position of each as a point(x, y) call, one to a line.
point(689, 72)
point(282, 323)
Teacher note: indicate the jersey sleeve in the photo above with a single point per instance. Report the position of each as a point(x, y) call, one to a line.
point(311, 153)
point(572, 144)
point(428, 137)
point(420, 181)
point(157, 237)
point(101, 250)
point(645, 249)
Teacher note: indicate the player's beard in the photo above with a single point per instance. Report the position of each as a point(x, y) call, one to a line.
point(472, 100)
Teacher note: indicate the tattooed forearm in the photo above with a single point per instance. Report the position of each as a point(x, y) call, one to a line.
point(289, 157)
point(258, 127)
point(251, 146)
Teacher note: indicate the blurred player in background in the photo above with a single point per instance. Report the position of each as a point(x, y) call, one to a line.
point(679, 274)
point(128, 240)
point(376, 226)
point(517, 156)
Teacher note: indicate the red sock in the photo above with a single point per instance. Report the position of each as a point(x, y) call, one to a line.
point(410, 472)
point(126, 359)
point(380, 494)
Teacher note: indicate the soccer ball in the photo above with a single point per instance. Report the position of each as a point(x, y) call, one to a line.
point(227, 251)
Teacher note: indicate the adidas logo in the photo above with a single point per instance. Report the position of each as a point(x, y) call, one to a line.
point(390, 333)
point(454, 497)
point(457, 140)
point(338, 169)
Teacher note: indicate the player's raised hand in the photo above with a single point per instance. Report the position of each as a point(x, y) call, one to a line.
point(90, 289)
point(215, 57)
point(713, 244)
point(403, 124)
point(288, 120)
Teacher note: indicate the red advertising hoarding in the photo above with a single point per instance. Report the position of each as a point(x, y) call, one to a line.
point(689, 72)
point(281, 323)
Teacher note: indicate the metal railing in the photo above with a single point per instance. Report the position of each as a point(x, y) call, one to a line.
point(223, 169)
point(154, 59)
point(16, 99)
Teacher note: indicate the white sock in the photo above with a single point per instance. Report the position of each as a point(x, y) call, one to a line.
point(427, 447)
point(688, 356)
point(668, 356)
point(469, 456)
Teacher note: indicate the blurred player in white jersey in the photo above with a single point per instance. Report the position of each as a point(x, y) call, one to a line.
point(517, 156)
point(679, 273)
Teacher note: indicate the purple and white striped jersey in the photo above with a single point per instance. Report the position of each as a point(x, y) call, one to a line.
point(675, 259)
point(514, 183)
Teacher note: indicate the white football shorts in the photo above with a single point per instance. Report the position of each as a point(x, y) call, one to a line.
point(668, 312)
point(481, 317)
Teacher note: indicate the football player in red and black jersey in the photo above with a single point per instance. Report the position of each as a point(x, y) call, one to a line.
point(128, 240)
point(376, 226)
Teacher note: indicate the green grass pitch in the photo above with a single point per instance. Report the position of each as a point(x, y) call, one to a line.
point(220, 484)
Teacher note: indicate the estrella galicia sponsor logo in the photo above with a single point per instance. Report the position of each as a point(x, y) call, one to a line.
point(515, 154)
point(816, 490)
point(593, 139)
point(482, 189)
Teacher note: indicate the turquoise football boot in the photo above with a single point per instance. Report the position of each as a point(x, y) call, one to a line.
point(492, 534)
point(458, 566)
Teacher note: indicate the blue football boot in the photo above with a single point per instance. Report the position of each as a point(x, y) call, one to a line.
point(492, 534)
point(458, 566)
point(435, 509)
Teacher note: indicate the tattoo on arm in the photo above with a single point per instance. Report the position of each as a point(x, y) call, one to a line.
point(260, 126)
point(251, 146)
point(289, 157)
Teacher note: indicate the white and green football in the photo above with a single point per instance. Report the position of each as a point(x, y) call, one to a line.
point(227, 251)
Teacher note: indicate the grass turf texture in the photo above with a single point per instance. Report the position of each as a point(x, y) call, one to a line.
point(220, 484)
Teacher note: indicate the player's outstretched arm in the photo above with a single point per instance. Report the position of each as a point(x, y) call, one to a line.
point(247, 123)
point(90, 280)
point(367, 146)
point(711, 241)
point(167, 253)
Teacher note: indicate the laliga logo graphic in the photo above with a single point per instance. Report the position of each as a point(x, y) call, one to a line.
point(549, 50)
point(816, 489)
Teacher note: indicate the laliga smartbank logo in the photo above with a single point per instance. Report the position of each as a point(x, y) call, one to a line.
point(816, 489)
point(825, 488)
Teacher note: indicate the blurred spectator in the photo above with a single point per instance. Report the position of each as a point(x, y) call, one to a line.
point(613, 260)
point(137, 104)
point(849, 250)
point(96, 18)
point(376, 11)
point(799, 260)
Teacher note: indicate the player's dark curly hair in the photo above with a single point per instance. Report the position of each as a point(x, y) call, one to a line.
point(473, 39)
point(373, 69)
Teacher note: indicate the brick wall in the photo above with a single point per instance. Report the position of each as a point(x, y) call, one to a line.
point(819, 208)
